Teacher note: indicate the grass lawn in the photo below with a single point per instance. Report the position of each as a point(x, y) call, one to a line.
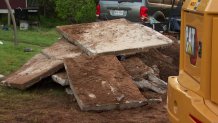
point(11, 57)
point(41, 37)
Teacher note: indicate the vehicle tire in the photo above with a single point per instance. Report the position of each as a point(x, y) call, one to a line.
point(159, 16)
point(98, 20)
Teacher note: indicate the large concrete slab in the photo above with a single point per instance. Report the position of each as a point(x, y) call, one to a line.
point(113, 37)
point(62, 49)
point(45, 64)
point(32, 72)
point(101, 83)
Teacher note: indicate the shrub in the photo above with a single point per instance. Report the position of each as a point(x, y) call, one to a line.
point(78, 11)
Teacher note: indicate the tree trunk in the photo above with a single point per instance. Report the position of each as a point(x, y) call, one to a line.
point(13, 20)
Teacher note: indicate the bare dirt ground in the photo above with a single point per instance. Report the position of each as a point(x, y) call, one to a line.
point(47, 101)
point(46, 106)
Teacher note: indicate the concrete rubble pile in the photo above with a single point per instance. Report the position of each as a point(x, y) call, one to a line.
point(85, 60)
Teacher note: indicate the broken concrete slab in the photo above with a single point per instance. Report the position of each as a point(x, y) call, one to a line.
point(144, 77)
point(62, 49)
point(136, 68)
point(156, 85)
point(1, 77)
point(101, 83)
point(68, 91)
point(155, 101)
point(61, 78)
point(113, 37)
point(33, 71)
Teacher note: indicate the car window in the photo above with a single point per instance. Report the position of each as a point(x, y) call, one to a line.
point(127, 0)
point(170, 2)
point(155, 1)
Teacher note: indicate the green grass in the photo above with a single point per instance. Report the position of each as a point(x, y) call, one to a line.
point(51, 22)
point(38, 36)
point(12, 57)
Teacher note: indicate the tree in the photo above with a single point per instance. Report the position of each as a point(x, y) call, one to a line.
point(48, 7)
point(76, 10)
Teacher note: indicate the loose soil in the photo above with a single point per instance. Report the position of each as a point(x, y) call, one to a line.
point(166, 59)
point(46, 103)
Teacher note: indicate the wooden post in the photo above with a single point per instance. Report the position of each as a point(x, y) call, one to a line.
point(13, 20)
point(9, 19)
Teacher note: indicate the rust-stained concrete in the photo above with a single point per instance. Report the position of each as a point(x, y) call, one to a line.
point(101, 83)
point(62, 49)
point(113, 37)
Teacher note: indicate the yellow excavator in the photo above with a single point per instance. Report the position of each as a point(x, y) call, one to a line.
point(193, 94)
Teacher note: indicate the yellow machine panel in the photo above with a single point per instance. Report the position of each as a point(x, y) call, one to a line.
point(193, 95)
point(193, 34)
point(214, 63)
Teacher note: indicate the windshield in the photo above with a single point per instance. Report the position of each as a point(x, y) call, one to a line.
point(126, 0)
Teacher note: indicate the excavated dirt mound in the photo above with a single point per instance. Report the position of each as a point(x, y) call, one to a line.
point(166, 59)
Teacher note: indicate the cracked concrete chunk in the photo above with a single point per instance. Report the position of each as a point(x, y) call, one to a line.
point(136, 68)
point(113, 37)
point(61, 78)
point(1, 77)
point(69, 91)
point(144, 77)
point(101, 83)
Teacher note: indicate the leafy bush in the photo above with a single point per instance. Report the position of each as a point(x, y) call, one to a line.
point(78, 11)
point(47, 7)
point(47, 22)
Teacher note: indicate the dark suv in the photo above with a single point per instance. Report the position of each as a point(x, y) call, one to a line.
point(133, 10)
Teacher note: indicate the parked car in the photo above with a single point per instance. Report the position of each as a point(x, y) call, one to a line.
point(134, 10)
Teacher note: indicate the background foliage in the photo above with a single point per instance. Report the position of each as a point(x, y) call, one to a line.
point(77, 11)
